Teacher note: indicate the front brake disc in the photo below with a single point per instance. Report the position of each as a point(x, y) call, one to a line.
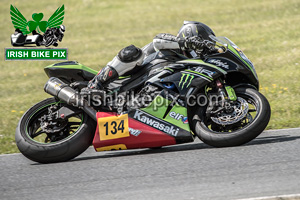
point(240, 110)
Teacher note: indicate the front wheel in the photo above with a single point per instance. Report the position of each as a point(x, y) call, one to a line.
point(249, 117)
point(46, 141)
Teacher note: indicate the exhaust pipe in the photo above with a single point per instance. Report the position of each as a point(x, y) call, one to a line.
point(59, 89)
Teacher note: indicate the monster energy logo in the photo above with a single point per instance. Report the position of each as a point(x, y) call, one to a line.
point(186, 79)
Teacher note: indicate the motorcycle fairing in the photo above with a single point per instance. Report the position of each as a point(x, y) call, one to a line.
point(141, 136)
point(197, 74)
point(237, 69)
point(244, 72)
point(149, 127)
point(163, 109)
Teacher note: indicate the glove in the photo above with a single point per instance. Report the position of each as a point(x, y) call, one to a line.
point(194, 43)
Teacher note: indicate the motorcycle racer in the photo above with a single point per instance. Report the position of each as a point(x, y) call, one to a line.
point(189, 41)
point(52, 35)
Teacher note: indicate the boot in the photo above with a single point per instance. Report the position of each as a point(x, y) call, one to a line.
point(103, 78)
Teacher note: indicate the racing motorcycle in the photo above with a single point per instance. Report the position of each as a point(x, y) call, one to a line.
point(170, 100)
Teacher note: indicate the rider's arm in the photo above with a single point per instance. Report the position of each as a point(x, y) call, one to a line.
point(169, 41)
point(165, 41)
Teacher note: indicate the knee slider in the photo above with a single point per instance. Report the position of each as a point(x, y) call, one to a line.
point(130, 54)
point(127, 59)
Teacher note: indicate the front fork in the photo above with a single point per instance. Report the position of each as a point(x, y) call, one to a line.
point(226, 92)
point(226, 95)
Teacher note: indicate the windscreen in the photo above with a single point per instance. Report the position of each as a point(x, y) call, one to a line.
point(228, 44)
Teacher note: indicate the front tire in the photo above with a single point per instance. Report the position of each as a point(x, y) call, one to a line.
point(217, 137)
point(66, 146)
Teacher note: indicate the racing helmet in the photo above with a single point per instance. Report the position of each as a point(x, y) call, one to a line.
point(193, 28)
point(62, 29)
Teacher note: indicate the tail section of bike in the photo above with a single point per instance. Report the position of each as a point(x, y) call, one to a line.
point(70, 71)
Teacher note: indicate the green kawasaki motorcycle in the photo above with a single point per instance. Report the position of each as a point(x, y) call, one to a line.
point(171, 100)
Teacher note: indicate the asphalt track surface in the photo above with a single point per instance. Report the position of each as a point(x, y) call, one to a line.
point(267, 166)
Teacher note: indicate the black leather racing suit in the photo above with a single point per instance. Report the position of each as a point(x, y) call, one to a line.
point(131, 57)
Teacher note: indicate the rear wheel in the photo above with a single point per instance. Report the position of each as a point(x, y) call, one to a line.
point(249, 117)
point(44, 140)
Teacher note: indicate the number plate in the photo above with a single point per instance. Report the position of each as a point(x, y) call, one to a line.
point(113, 127)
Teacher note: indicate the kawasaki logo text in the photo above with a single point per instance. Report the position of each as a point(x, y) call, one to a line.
point(169, 129)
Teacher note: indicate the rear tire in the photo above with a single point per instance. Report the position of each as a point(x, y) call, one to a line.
point(58, 151)
point(236, 137)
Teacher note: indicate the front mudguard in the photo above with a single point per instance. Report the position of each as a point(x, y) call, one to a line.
point(245, 85)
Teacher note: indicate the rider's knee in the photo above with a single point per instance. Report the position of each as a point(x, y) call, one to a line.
point(127, 59)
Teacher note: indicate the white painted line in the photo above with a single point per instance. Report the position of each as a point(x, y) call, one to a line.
point(279, 197)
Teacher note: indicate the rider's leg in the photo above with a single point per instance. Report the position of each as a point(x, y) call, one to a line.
point(126, 60)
